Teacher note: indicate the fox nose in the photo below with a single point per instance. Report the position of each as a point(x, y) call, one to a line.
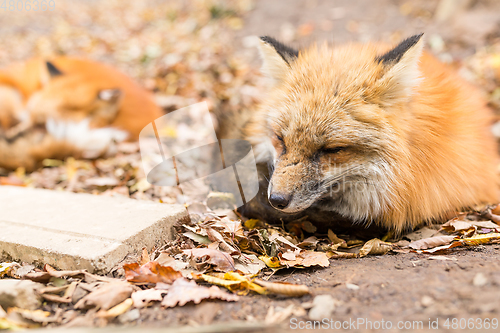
point(279, 200)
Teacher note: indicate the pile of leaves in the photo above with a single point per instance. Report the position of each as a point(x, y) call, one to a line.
point(218, 256)
point(475, 228)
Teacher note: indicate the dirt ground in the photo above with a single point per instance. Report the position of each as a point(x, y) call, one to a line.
point(403, 289)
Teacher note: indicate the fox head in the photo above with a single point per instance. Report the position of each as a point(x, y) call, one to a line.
point(334, 122)
point(73, 96)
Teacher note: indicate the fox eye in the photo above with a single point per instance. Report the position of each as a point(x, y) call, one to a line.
point(282, 142)
point(334, 150)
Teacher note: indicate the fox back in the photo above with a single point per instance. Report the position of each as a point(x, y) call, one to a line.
point(390, 136)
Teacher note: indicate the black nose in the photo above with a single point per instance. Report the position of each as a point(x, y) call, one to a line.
point(279, 200)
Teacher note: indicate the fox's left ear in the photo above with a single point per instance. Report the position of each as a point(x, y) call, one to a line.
point(277, 58)
point(401, 72)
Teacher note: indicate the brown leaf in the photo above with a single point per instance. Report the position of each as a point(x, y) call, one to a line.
point(307, 258)
point(311, 258)
point(440, 248)
point(143, 298)
point(116, 310)
point(151, 272)
point(144, 257)
point(215, 236)
point(341, 255)
point(421, 234)
point(220, 260)
point(485, 224)
point(336, 240)
point(50, 272)
point(50, 293)
point(106, 297)
point(431, 242)
point(284, 288)
point(183, 291)
point(456, 225)
point(308, 243)
point(376, 247)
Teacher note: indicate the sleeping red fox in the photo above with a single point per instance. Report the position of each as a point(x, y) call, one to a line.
point(390, 136)
point(67, 106)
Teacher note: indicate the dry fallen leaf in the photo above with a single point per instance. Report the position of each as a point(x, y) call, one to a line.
point(151, 272)
point(271, 262)
point(106, 296)
point(485, 224)
point(443, 258)
point(144, 257)
point(419, 234)
point(183, 291)
point(440, 248)
point(308, 258)
point(51, 293)
point(143, 298)
point(116, 310)
point(249, 264)
point(284, 288)
point(221, 261)
point(341, 255)
point(335, 239)
point(376, 247)
point(456, 225)
point(431, 242)
point(480, 239)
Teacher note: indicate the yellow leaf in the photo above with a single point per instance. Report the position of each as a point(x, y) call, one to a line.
point(116, 310)
point(283, 288)
point(250, 224)
point(245, 282)
point(229, 284)
point(480, 239)
point(374, 246)
point(271, 262)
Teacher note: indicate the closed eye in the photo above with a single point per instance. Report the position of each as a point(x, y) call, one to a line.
point(333, 150)
point(280, 139)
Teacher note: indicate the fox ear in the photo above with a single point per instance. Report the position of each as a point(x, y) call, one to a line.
point(53, 70)
point(401, 72)
point(48, 72)
point(277, 57)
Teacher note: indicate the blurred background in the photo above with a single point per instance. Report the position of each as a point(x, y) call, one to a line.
point(205, 50)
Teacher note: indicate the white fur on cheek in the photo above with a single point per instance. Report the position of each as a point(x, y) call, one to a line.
point(92, 141)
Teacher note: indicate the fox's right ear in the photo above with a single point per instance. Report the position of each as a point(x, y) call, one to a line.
point(277, 58)
point(53, 70)
point(49, 72)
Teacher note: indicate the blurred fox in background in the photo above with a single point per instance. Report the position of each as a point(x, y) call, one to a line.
point(68, 107)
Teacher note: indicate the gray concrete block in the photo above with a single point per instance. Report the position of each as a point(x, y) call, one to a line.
point(80, 231)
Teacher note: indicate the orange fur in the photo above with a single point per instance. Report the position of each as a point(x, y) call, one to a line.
point(73, 95)
point(405, 141)
point(88, 104)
